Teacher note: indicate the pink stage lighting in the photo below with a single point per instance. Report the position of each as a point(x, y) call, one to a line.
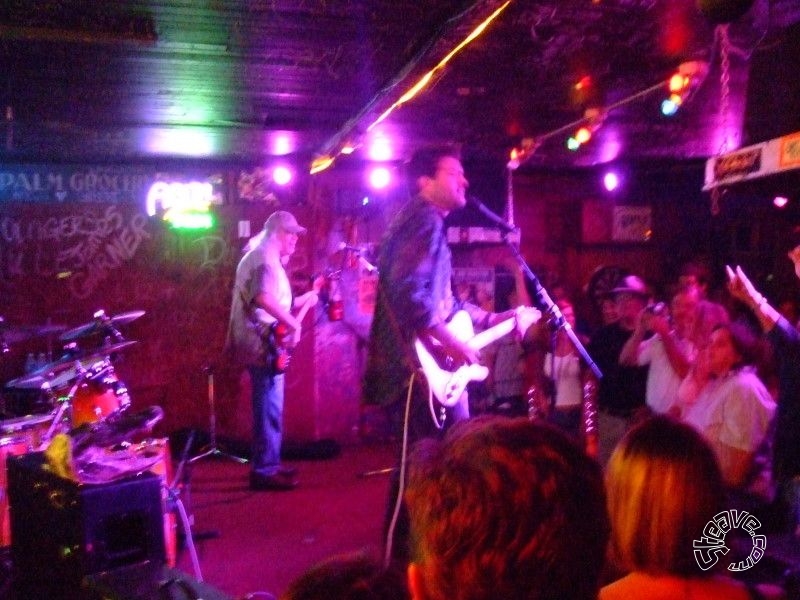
point(611, 181)
point(281, 175)
point(780, 201)
point(379, 178)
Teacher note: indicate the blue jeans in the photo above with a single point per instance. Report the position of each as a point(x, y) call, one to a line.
point(267, 419)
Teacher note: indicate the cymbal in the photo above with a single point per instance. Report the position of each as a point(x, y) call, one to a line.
point(65, 370)
point(100, 323)
point(55, 374)
point(25, 422)
point(12, 334)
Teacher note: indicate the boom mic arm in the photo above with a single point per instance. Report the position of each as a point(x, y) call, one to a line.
point(489, 214)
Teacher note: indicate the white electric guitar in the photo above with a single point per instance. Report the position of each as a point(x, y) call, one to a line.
point(446, 383)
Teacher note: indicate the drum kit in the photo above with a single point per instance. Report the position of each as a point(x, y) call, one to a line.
point(78, 394)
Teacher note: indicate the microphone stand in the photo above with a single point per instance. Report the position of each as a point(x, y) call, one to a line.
point(545, 303)
point(552, 311)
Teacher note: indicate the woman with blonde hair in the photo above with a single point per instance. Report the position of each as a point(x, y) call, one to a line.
point(664, 486)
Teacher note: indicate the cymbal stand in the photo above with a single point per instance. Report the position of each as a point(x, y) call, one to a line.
point(212, 449)
point(175, 503)
point(66, 403)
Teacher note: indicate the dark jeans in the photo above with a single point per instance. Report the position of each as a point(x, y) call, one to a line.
point(267, 419)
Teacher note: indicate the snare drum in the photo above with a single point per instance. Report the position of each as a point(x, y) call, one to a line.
point(99, 397)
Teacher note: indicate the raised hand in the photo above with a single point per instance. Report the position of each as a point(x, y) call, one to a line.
point(741, 288)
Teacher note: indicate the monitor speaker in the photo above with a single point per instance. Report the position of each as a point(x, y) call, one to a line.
point(62, 531)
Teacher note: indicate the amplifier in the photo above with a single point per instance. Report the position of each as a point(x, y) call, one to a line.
point(62, 531)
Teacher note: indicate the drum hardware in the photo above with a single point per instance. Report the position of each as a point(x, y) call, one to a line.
point(66, 403)
point(62, 371)
point(175, 503)
point(117, 429)
point(212, 449)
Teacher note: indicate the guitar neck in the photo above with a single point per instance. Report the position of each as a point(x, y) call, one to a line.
point(302, 312)
point(484, 338)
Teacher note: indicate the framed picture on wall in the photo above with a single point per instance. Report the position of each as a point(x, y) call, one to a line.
point(632, 224)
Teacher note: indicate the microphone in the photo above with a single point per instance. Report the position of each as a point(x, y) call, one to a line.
point(489, 214)
point(370, 268)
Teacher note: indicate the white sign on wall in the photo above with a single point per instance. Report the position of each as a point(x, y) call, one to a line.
point(632, 224)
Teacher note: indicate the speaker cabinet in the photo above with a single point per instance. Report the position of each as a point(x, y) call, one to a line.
point(62, 532)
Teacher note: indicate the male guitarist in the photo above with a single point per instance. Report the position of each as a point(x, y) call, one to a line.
point(414, 283)
point(262, 300)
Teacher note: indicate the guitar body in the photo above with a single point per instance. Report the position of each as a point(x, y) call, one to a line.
point(278, 341)
point(448, 382)
point(278, 351)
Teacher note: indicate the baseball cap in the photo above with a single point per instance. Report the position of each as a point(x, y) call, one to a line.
point(285, 220)
point(630, 284)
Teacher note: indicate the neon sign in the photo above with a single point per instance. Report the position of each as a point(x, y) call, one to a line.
point(184, 205)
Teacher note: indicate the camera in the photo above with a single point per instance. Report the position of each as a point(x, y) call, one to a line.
point(658, 309)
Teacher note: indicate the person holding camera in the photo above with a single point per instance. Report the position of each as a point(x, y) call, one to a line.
point(621, 391)
point(669, 351)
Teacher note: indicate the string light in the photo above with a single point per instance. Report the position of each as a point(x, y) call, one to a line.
point(334, 149)
point(695, 70)
point(682, 84)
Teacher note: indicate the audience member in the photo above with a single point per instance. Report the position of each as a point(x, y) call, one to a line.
point(734, 410)
point(664, 486)
point(348, 577)
point(786, 342)
point(695, 274)
point(507, 357)
point(669, 351)
point(608, 311)
point(505, 508)
point(564, 367)
point(621, 392)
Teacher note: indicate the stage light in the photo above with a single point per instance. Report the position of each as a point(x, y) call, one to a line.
point(379, 178)
point(320, 163)
point(573, 144)
point(281, 175)
point(379, 149)
point(611, 181)
point(780, 201)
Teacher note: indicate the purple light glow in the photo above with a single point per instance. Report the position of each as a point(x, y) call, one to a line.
point(281, 175)
point(780, 201)
point(379, 178)
point(379, 149)
point(611, 181)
